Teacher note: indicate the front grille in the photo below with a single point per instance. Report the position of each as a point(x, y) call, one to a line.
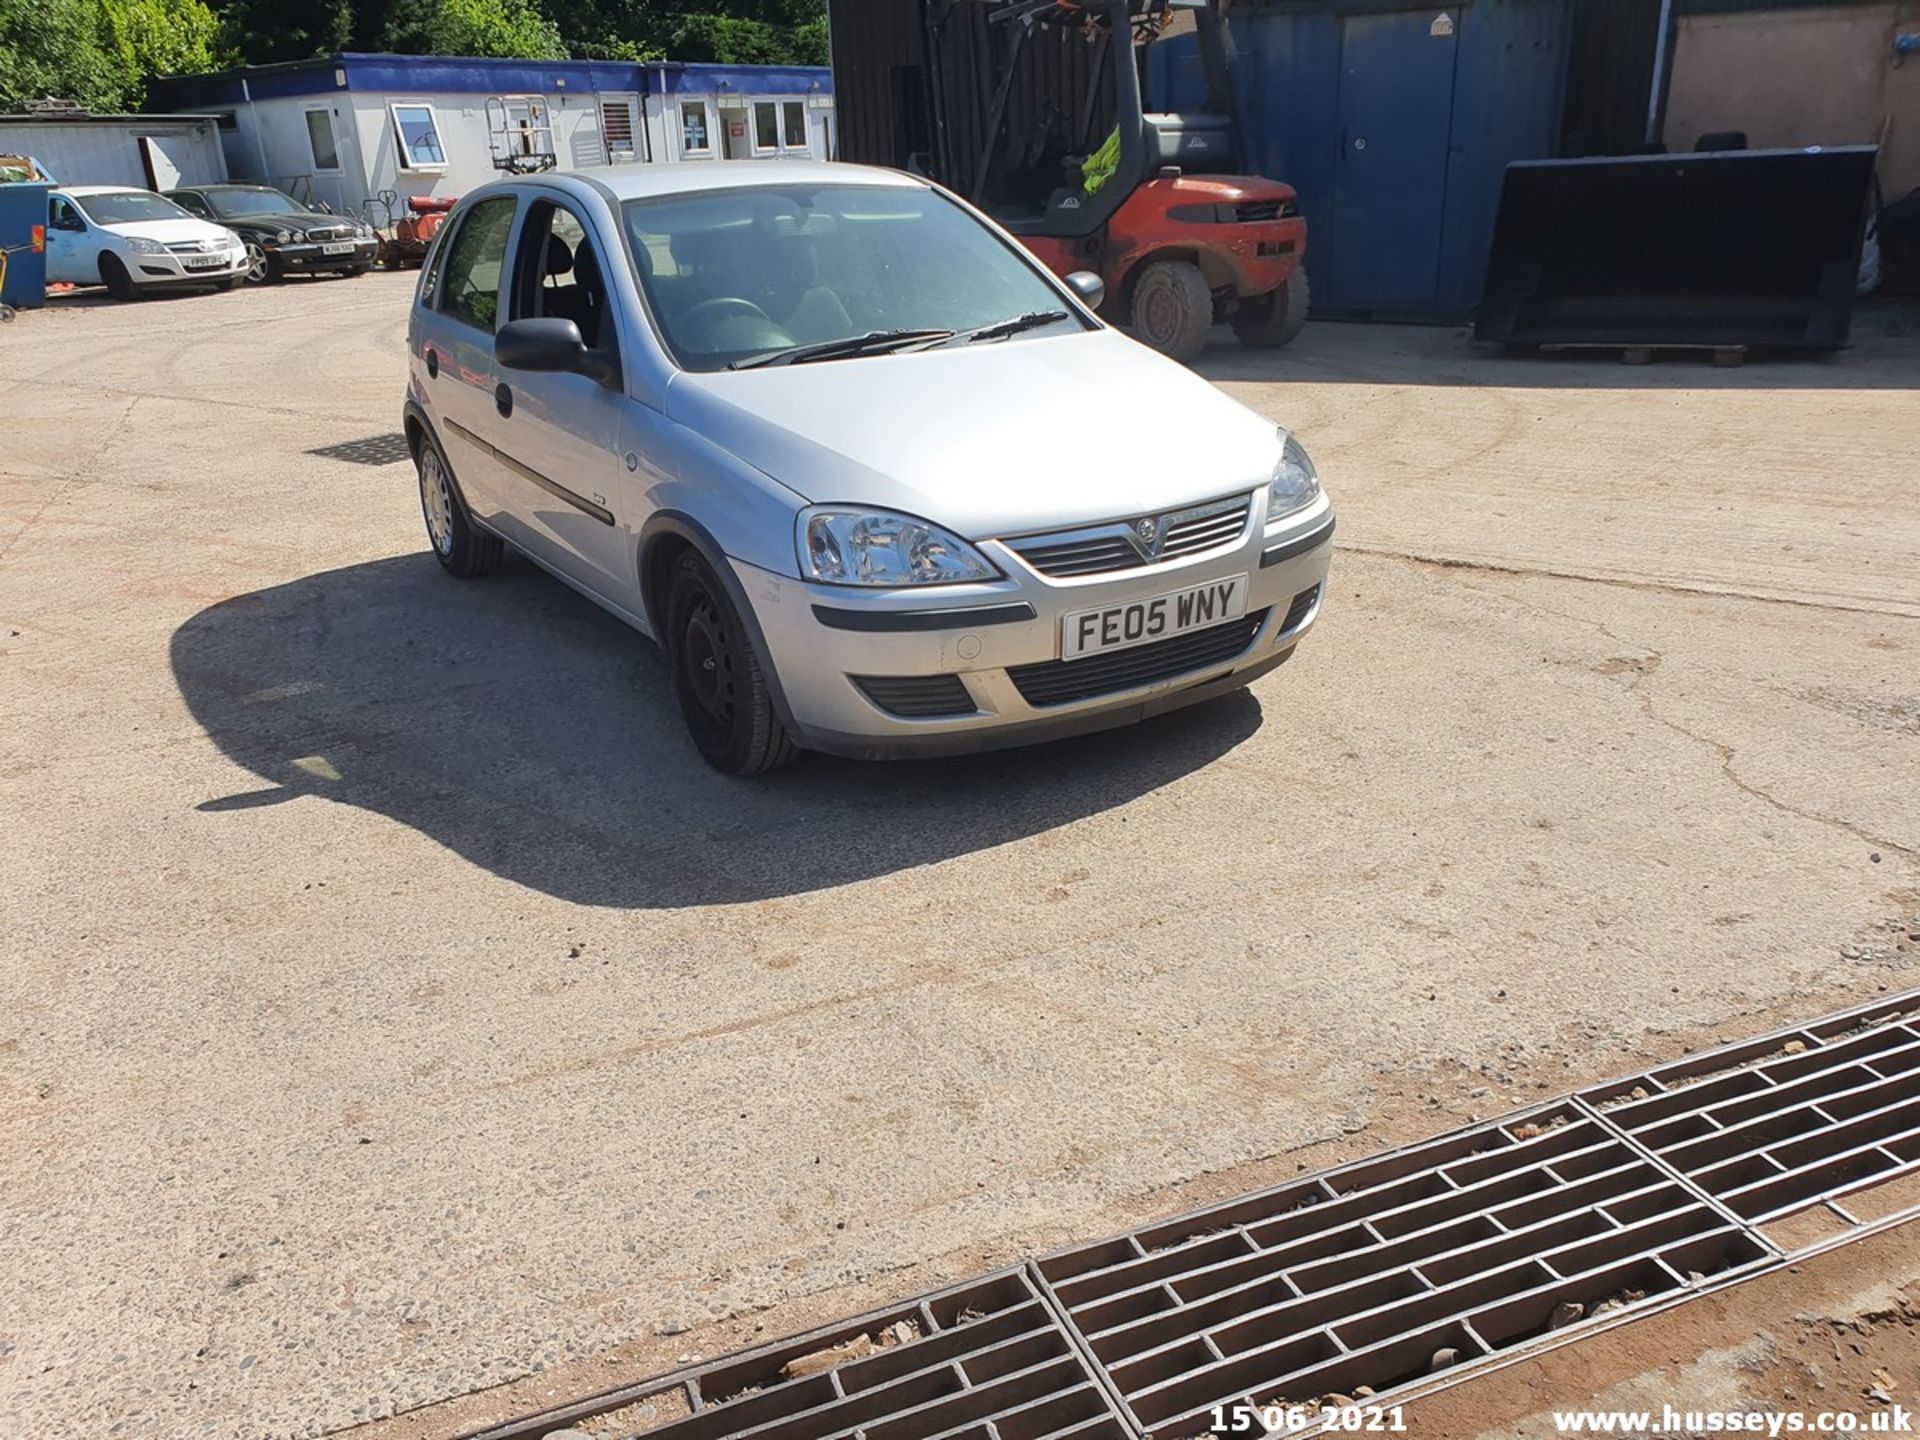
point(1119, 545)
point(1300, 609)
point(337, 232)
point(195, 247)
point(917, 697)
point(1061, 682)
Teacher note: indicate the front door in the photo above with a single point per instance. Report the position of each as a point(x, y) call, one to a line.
point(1390, 182)
point(73, 250)
point(557, 437)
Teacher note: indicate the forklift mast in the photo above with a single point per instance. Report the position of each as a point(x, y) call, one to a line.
point(1022, 92)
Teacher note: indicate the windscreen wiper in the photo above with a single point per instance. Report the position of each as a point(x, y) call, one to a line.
point(875, 342)
point(1000, 329)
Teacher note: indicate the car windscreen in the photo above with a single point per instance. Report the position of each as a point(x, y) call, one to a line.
point(238, 204)
point(737, 274)
point(121, 207)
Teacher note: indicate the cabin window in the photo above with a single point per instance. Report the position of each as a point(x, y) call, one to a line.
point(326, 156)
point(794, 117)
point(695, 139)
point(418, 135)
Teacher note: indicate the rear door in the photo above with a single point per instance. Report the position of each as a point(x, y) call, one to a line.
point(558, 439)
point(462, 304)
point(1390, 182)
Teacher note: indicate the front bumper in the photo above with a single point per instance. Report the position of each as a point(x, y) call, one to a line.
point(297, 257)
point(151, 271)
point(1003, 645)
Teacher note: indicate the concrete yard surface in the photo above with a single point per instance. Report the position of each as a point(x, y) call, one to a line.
point(394, 1006)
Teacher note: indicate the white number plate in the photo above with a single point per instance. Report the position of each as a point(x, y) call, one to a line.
point(205, 262)
point(337, 247)
point(1141, 622)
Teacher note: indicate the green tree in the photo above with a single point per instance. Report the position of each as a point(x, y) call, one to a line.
point(99, 53)
point(474, 27)
point(260, 32)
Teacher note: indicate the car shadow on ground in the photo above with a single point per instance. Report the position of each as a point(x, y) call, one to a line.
point(522, 727)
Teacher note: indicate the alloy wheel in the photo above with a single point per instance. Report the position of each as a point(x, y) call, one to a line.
point(256, 263)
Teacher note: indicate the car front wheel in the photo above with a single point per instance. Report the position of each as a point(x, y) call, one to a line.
point(114, 276)
point(259, 264)
point(718, 677)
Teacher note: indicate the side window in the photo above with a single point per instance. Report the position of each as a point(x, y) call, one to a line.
point(766, 126)
point(470, 283)
point(558, 274)
point(62, 216)
point(187, 200)
point(794, 113)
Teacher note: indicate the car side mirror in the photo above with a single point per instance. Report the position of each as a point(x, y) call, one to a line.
point(551, 344)
point(1091, 289)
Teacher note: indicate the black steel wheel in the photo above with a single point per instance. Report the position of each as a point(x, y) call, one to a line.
point(718, 676)
point(1172, 308)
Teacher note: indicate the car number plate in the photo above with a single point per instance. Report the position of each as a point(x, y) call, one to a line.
point(337, 247)
point(205, 262)
point(1141, 622)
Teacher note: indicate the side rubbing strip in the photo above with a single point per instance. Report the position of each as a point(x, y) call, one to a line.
point(898, 620)
point(1299, 545)
point(527, 472)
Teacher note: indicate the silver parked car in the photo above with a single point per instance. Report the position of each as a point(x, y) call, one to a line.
point(874, 479)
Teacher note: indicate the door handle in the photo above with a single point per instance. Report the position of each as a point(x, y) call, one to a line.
point(503, 399)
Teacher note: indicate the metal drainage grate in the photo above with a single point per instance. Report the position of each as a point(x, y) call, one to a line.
point(374, 450)
point(1389, 1270)
point(981, 1361)
point(1400, 1273)
point(1795, 1119)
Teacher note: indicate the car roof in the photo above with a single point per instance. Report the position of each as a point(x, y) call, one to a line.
point(232, 185)
point(104, 190)
point(692, 177)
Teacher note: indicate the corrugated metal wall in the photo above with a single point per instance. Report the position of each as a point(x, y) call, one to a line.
point(107, 152)
point(1610, 75)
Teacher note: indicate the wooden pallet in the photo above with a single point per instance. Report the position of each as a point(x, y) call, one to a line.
point(1725, 355)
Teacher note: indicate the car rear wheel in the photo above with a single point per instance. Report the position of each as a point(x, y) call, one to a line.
point(461, 547)
point(718, 677)
point(1173, 308)
point(114, 276)
point(1274, 319)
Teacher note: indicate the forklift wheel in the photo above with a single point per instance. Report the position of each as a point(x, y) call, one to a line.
point(1172, 308)
point(1274, 319)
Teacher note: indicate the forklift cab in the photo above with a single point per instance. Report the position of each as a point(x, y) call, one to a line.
point(1038, 118)
point(1032, 167)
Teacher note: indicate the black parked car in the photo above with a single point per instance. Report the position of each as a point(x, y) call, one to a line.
point(282, 236)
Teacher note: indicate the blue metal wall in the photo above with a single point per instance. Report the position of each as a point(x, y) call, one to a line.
point(1398, 226)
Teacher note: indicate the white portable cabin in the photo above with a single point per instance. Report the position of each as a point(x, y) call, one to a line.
point(363, 133)
point(140, 151)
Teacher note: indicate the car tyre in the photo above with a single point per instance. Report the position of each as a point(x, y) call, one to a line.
point(1172, 308)
point(1276, 318)
point(233, 282)
point(718, 677)
point(354, 272)
point(114, 276)
point(260, 267)
point(462, 547)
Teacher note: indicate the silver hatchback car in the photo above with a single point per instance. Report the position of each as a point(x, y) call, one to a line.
point(875, 480)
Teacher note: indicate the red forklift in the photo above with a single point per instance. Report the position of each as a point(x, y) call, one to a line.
point(1034, 111)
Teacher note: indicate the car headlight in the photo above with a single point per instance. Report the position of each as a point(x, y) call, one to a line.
point(283, 237)
point(1296, 484)
point(840, 546)
point(146, 247)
